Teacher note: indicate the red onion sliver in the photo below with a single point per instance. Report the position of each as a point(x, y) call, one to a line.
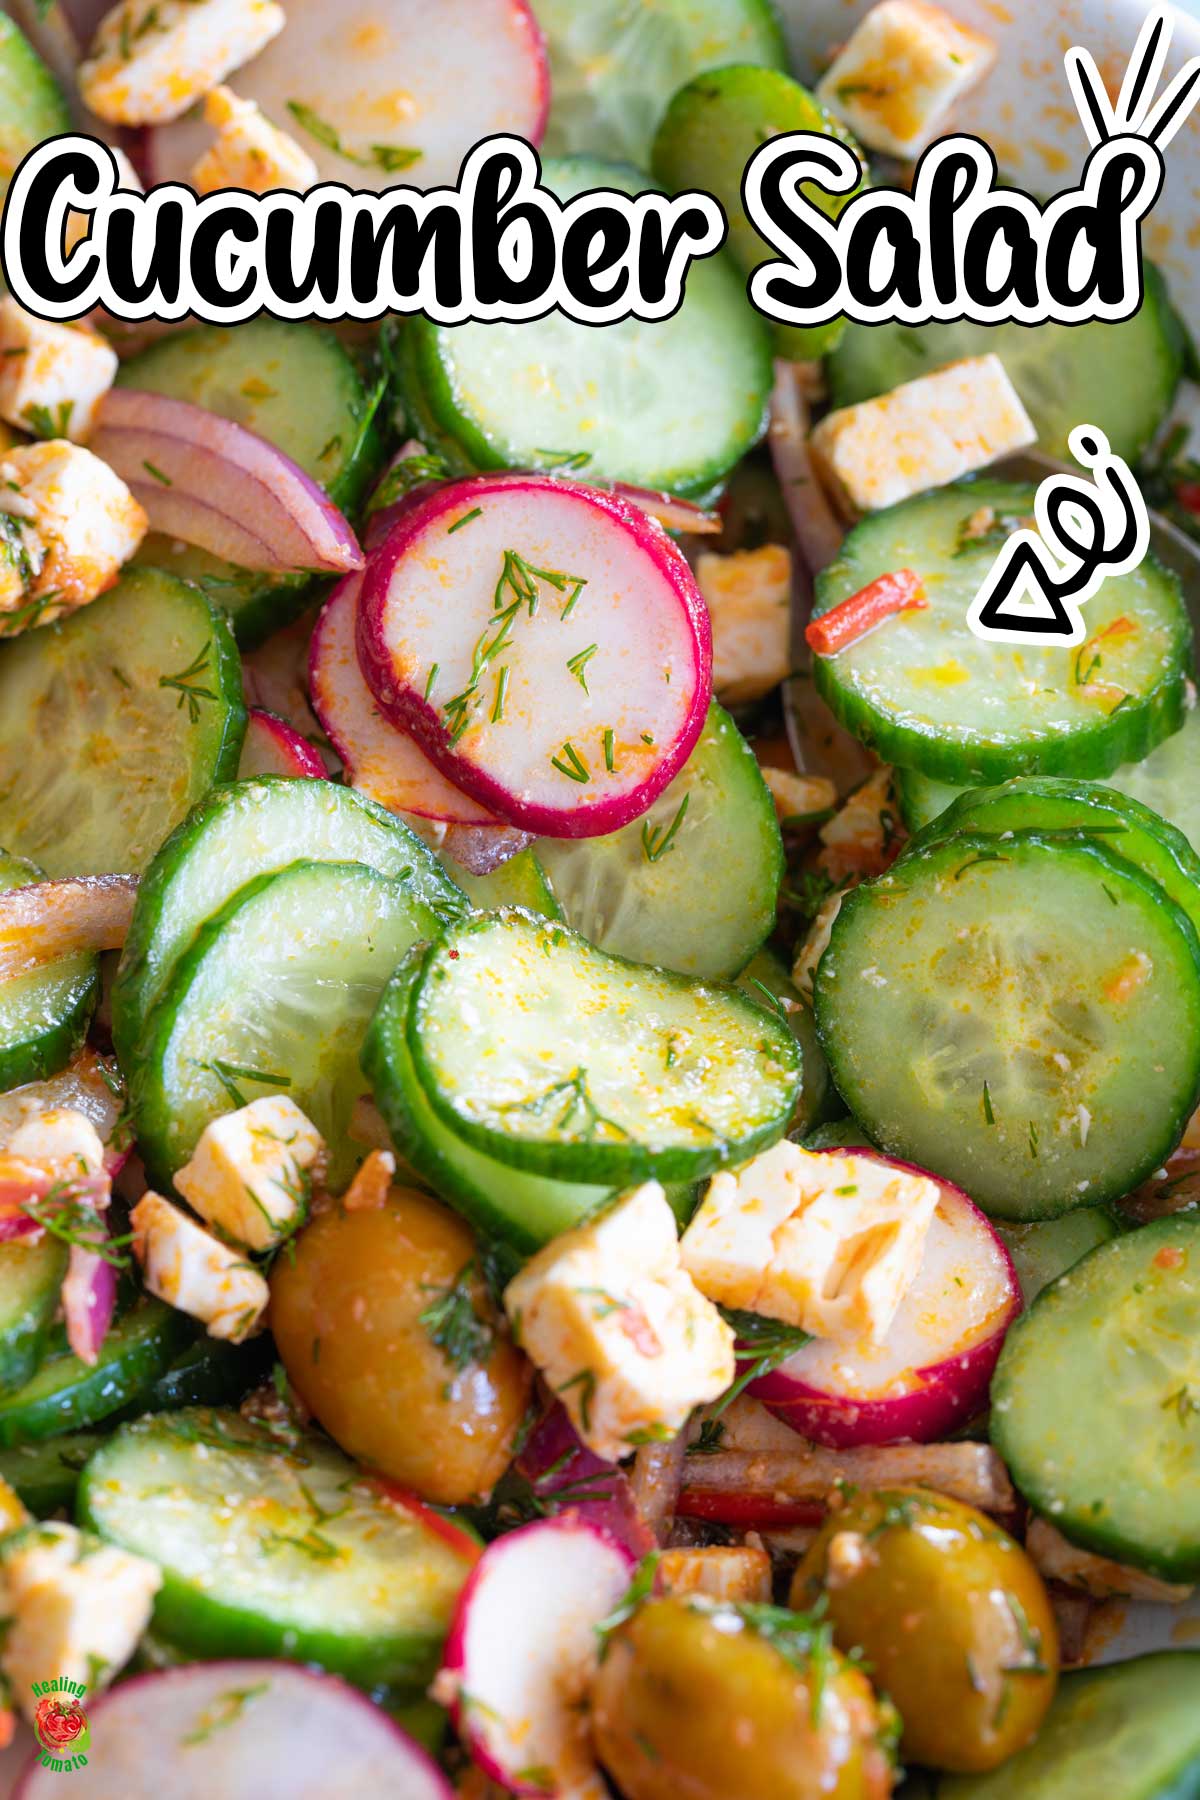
point(671, 512)
point(89, 1298)
point(481, 849)
point(83, 16)
point(818, 534)
point(50, 919)
point(215, 484)
point(565, 1471)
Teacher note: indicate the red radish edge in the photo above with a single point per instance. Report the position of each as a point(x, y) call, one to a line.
point(89, 1299)
point(562, 1470)
point(436, 1523)
point(944, 1393)
point(415, 714)
point(539, 55)
point(273, 747)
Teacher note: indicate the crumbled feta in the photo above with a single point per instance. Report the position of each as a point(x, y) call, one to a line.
point(52, 377)
point(249, 151)
point(730, 1572)
point(921, 435)
point(67, 524)
point(749, 595)
point(798, 797)
point(59, 1140)
point(250, 1173)
point(829, 1243)
point(862, 836)
point(77, 1608)
point(903, 69)
point(150, 59)
point(617, 1328)
point(813, 948)
point(187, 1267)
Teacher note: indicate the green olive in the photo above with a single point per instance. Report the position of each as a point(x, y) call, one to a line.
point(692, 1702)
point(388, 1335)
point(950, 1615)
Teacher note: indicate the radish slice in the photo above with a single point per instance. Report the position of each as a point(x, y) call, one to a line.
point(240, 1728)
point(89, 1299)
point(361, 86)
point(275, 680)
point(522, 1651)
point(565, 1474)
point(380, 760)
point(546, 645)
point(51, 919)
point(215, 484)
point(273, 747)
point(931, 1372)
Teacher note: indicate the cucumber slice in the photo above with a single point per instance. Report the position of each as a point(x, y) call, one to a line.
point(209, 1372)
point(614, 66)
point(564, 1060)
point(45, 1476)
point(1022, 1017)
point(274, 1551)
point(44, 1015)
point(692, 884)
point(928, 694)
point(521, 881)
point(294, 385)
point(115, 722)
point(274, 995)
point(669, 405)
point(251, 828)
point(1127, 1732)
point(1120, 377)
point(30, 1278)
point(32, 105)
point(524, 1210)
point(66, 1394)
point(1093, 1400)
point(765, 978)
point(708, 134)
point(839, 1134)
point(1045, 1249)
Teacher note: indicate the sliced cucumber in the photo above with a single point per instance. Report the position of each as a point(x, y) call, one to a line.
point(922, 798)
point(521, 881)
point(692, 885)
point(294, 385)
point(926, 693)
point(30, 1278)
point(44, 1015)
point(1020, 1015)
point(614, 66)
point(274, 1551)
point(239, 832)
point(673, 404)
point(1121, 378)
point(765, 978)
point(1046, 1248)
point(1094, 1400)
point(274, 995)
point(66, 1394)
point(839, 1134)
point(32, 105)
point(210, 1372)
point(563, 1060)
point(708, 134)
point(115, 722)
point(45, 1476)
point(1127, 1732)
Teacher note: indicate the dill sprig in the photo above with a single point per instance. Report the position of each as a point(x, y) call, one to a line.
point(464, 1338)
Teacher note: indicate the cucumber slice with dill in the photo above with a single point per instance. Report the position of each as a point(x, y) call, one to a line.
point(273, 996)
point(692, 884)
point(272, 1548)
point(564, 1060)
point(66, 1394)
point(1096, 1400)
point(926, 693)
point(44, 1014)
point(116, 721)
point(766, 979)
point(31, 1275)
point(32, 105)
point(45, 1476)
point(1046, 997)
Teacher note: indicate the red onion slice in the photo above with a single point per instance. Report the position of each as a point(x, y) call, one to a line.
point(671, 512)
point(89, 1298)
point(215, 484)
point(818, 534)
point(565, 1475)
point(51, 919)
point(481, 849)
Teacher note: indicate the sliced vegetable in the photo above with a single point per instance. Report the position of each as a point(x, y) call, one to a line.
point(483, 849)
point(851, 620)
point(44, 1476)
point(32, 105)
point(65, 1394)
point(766, 980)
point(44, 922)
point(277, 1547)
point(519, 881)
point(89, 1296)
point(1046, 1248)
point(209, 1372)
point(565, 1476)
point(45, 1005)
point(273, 747)
point(88, 1085)
point(155, 716)
point(31, 1274)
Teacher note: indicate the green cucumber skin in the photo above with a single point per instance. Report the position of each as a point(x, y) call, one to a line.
point(817, 1096)
point(51, 1050)
point(44, 1476)
point(521, 881)
point(32, 105)
point(65, 992)
point(209, 1372)
point(1059, 1336)
point(1044, 1249)
point(27, 1320)
point(65, 1395)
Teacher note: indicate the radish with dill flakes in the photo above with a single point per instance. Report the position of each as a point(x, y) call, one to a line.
point(546, 645)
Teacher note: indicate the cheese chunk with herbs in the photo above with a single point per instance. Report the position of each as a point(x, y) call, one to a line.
point(829, 1243)
point(52, 377)
point(59, 1140)
point(150, 59)
point(921, 435)
point(749, 597)
point(897, 78)
point(67, 525)
point(617, 1328)
point(187, 1267)
point(250, 1173)
point(76, 1608)
point(249, 152)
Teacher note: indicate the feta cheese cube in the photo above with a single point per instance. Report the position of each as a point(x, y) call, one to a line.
point(748, 594)
point(192, 1272)
point(52, 377)
point(618, 1330)
point(59, 1140)
point(249, 1173)
point(79, 223)
point(896, 80)
point(67, 524)
point(150, 59)
point(249, 151)
point(923, 434)
point(78, 1608)
point(796, 796)
point(733, 1573)
point(829, 1243)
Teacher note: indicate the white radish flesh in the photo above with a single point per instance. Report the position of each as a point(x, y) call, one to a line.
point(273, 747)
